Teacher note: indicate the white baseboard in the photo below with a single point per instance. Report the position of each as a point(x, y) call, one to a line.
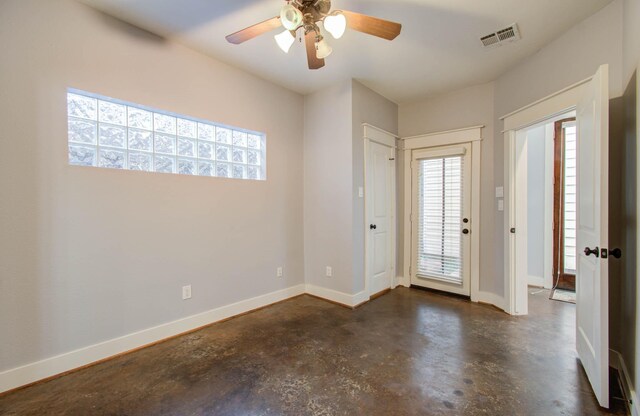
point(403, 281)
point(52, 366)
point(338, 297)
point(535, 281)
point(492, 299)
point(616, 361)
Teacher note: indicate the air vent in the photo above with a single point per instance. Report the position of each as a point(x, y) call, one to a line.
point(508, 34)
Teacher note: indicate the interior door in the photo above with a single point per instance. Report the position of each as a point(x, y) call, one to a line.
point(379, 211)
point(592, 286)
point(441, 218)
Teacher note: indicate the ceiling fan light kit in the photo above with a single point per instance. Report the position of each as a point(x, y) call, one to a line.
point(336, 24)
point(322, 48)
point(306, 15)
point(285, 40)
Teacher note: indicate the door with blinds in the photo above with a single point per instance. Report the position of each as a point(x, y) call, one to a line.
point(441, 218)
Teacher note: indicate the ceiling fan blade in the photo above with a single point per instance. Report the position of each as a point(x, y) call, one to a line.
point(253, 31)
point(310, 41)
point(372, 25)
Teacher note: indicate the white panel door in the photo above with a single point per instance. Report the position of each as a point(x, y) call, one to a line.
point(441, 218)
point(379, 211)
point(592, 286)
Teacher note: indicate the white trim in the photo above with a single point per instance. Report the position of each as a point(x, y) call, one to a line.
point(549, 158)
point(475, 216)
point(403, 281)
point(471, 135)
point(29, 373)
point(338, 297)
point(558, 104)
point(616, 361)
point(491, 299)
point(372, 127)
point(544, 110)
point(548, 97)
point(537, 281)
point(445, 138)
point(440, 133)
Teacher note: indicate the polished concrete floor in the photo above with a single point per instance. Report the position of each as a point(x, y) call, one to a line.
point(409, 352)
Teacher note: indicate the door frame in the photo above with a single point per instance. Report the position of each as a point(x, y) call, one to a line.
point(471, 135)
point(546, 110)
point(375, 134)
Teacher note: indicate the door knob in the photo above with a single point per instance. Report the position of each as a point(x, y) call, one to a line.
point(465, 231)
point(589, 251)
point(616, 252)
point(372, 226)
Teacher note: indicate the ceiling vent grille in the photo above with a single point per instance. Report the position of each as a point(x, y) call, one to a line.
point(502, 36)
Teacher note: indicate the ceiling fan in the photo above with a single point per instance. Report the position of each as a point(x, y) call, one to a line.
point(306, 15)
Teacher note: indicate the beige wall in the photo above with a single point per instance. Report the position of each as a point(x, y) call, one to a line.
point(327, 188)
point(91, 254)
point(334, 169)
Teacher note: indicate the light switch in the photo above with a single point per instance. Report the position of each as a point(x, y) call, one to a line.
point(360, 192)
point(500, 204)
point(499, 192)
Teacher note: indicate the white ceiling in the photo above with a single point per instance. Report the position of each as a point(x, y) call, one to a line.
point(437, 51)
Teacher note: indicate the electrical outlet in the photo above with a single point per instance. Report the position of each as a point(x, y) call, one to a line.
point(186, 292)
point(329, 271)
point(279, 271)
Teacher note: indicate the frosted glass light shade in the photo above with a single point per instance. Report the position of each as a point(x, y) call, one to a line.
point(290, 17)
point(336, 25)
point(284, 40)
point(323, 49)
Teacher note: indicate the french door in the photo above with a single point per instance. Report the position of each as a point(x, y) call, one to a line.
point(440, 219)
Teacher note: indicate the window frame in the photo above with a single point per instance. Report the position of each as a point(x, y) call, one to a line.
point(154, 132)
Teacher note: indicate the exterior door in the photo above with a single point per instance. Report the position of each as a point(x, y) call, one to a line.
point(592, 286)
point(379, 211)
point(441, 218)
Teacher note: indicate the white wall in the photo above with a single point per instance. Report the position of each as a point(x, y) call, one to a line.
point(90, 254)
point(464, 108)
point(536, 203)
point(328, 220)
point(372, 108)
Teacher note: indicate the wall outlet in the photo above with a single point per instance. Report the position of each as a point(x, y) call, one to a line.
point(279, 271)
point(329, 271)
point(500, 204)
point(186, 292)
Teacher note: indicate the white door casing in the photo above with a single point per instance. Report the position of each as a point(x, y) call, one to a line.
point(380, 202)
point(462, 150)
point(592, 285)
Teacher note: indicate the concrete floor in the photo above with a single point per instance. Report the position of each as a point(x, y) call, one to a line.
point(409, 352)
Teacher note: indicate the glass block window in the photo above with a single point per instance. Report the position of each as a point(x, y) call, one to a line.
point(109, 133)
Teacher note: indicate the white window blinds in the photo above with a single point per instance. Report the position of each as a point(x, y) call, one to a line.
point(440, 199)
point(570, 199)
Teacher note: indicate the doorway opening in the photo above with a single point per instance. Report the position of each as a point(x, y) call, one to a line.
point(545, 192)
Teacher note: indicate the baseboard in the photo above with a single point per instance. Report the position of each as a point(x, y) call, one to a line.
point(616, 361)
point(334, 296)
point(30, 373)
point(491, 299)
point(403, 281)
point(537, 281)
